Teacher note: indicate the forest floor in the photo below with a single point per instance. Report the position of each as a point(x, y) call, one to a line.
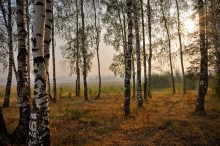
point(165, 119)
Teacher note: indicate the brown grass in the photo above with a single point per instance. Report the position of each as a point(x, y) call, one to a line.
point(165, 120)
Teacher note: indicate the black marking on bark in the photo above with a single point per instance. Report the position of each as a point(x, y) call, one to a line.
point(47, 42)
point(51, 20)
point(34, 42)
point(39, 3)
point(18, 2)
point(49, 11)
point(39, 59)
point(35, 49)
point(38, 34)
point(20, 12)
point(48, 26)
point(35, 71)
point(47, 56)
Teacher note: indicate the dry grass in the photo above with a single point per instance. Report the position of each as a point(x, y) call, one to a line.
point(165, 120)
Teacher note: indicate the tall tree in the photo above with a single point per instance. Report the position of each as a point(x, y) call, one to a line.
point(203, 83)
point(21, 132)
point(47, 40)
point(166, 26)
point(84, 52)
point(150, 47)
point(144, 50)
point(181, 48)
point(216, 26)
point(128, 59)
point(138, 54)
point(39, 133)
point(28, 45)
point(8, 23)
point(97, 36)
point(53, 58)
point(77, 50)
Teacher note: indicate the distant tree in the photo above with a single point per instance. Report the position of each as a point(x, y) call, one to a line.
point(84, 54)
point(78, 51)
point(203, 83)
point(166, 26)
point(97, 38)
point(39, 133)
point(144, 50)
point(150, 47)
point(181, 48)
point(7, 16)
point(136, 9)
point(21, 132)
point(54, 62)
point(128, 59)
point(47, 41)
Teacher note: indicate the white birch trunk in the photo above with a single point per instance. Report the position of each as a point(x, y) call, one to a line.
point(39, 133)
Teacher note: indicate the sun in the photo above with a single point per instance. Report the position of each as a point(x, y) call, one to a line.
point(190, 25)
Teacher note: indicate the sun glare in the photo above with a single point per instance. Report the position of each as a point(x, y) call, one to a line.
point(190, 25)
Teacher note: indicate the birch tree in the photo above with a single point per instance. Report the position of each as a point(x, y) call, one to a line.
point(53, 58)
point(128, 59)
point(7, 15)
point(150, 46)
point(21, 132)
point(97, 40)
point(181, 48)
point(203, 81)
point(144, 49)
point(84, 52)
point(39, 133)
point(138, 54)
point(47, 40)
point(28, 44)
point(77, 51)
point(166, 26)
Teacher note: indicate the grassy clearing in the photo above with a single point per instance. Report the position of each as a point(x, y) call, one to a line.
point(166, 119)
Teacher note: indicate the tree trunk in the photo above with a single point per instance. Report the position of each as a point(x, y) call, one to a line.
point(169, 46)
point(21, 132)
point(84, 51)
point(122, 30)
point(3, 129)
point(28, 45)
point(144, 50)
point(138, 54)
point(150, 48)
point(133, 76)
point(39, 133)
point(78, 51)
point(11, 56)
point(216, 24)
point(128, 60)
point(203, 83)
point(181, 48)
point(54, 62)
point(97, 49)
point(47, 41)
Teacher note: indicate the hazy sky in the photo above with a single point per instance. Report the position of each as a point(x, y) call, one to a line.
point(106, 55)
